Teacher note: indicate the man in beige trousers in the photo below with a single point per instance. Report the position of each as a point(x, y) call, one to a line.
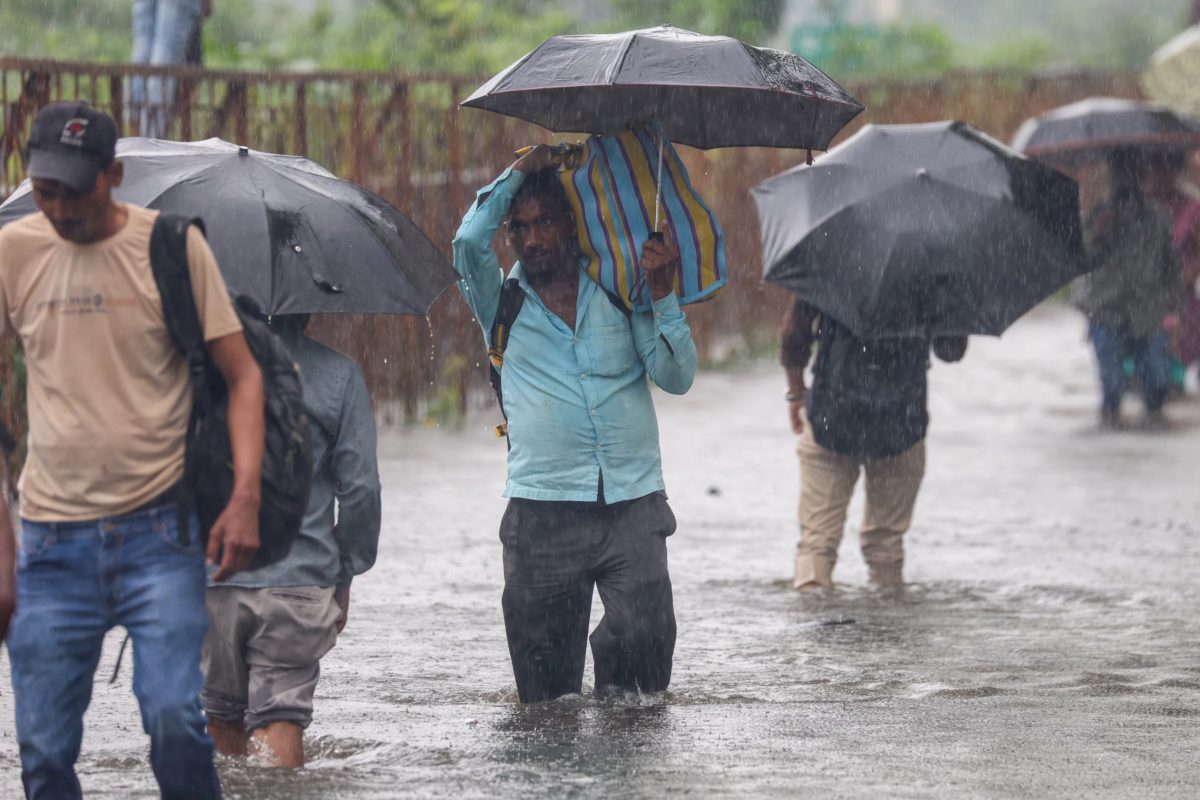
point(866, 411)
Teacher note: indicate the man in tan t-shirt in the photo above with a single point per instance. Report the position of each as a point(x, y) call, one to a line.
point(109, 401)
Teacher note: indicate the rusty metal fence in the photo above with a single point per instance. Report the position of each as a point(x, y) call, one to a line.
point(403, 136)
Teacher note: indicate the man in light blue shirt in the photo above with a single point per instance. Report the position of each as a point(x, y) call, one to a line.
point(587, 506)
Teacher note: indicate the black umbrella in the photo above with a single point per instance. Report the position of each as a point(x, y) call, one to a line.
point(1097, 125)
point(286, 232)
point(921, 230)
point(703, 91)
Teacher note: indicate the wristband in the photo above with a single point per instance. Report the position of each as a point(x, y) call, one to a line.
point(794, 397)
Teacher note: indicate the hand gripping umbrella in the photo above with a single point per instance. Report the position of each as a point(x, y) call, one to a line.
point(703, 91)
point(921, 230)
point(1093, 127)
point(285, 231)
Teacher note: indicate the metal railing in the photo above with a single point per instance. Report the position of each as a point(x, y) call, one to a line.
point(403, 136)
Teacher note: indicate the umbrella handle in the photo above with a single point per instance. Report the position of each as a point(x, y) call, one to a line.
point(656, 235)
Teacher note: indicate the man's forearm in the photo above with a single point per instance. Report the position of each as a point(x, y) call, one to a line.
point(246, 430)
point(795, 381)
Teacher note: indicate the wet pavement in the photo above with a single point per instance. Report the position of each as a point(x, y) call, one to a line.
point(1048, 644)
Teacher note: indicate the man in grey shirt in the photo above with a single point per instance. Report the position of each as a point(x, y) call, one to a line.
point(269, 628)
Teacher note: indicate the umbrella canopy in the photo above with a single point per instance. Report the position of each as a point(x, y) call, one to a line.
point(286, 232)
point(703, 91)
point(1097, 125)
point(1172, 76)
point(921, 230)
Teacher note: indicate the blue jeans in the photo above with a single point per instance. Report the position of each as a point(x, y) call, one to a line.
point(75, 581)
point(161, 29)
point(1150, 356)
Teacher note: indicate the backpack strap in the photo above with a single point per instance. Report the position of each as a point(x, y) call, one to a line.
point(512, 297)
point(617, 302)
point(168, 259)
point(169, 263)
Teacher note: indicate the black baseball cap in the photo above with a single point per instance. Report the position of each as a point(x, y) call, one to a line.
point(70, 143)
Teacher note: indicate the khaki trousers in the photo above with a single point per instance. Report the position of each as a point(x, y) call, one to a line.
point(826, 483)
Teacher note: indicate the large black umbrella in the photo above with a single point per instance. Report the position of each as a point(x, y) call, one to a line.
point(286, 232)
point(703, 91)
point(1097, 125)
point(906, 230)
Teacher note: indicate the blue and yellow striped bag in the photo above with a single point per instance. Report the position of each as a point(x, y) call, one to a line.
point(610, 182)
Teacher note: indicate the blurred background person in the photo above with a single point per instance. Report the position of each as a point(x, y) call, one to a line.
point(1164, 182)
point(1132, 288)
point(164, 32)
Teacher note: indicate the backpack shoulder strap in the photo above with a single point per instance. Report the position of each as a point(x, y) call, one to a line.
point(168, 260)
point(617, 302)
point(512, 297)
point(169, 263)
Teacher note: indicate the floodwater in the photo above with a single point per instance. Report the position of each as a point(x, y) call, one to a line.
point(1048, 644)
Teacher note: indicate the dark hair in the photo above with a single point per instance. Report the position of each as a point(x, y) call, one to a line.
point(544, 185)
point(1129, 160)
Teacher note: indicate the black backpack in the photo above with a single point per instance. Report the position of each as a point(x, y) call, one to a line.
point(868, 398)
point(287, 464)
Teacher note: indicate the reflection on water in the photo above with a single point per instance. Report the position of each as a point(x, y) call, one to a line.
point(1047, 645)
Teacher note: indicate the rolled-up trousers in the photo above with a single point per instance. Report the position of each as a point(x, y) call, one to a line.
point(554, 554)
point(827, 482)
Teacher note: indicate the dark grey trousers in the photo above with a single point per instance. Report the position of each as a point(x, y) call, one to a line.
point(554, 553)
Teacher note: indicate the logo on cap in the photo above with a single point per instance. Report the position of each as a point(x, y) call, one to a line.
point(74, 131)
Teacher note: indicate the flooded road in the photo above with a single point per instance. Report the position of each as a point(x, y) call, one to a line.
point(1048, 643)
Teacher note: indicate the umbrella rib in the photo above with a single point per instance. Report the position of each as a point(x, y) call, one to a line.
point(191, 176)
point(616, 70)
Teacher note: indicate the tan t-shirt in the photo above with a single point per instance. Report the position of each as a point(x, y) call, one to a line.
point(108, 393)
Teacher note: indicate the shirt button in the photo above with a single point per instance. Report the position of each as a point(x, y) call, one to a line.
point(583, 376)
point(593, 412)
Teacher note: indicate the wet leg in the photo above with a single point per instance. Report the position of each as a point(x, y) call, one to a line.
point(280, 743)
point(547, 595)
point(1153, 361)
point(826, 485)
point(226, 675)
point(158, 596)
point(1111, 345)
point(53, 647)
point(634, 644)
point(892, 486)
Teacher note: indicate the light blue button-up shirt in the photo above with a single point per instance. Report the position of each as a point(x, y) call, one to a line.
point(578, 402)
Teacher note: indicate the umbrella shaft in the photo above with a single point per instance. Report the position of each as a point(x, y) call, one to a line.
point(658, 182)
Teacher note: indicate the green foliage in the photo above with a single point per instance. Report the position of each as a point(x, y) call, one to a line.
point(1023, 53)
point(481, 36)
point(752, 21)
point(96, 30)
point(445, 406)
point(462, 36)
point(914, 50)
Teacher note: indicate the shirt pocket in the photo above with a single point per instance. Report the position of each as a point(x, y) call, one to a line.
point(612, 349)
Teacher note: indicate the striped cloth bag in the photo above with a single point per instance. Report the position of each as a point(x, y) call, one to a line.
point(610, 181)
